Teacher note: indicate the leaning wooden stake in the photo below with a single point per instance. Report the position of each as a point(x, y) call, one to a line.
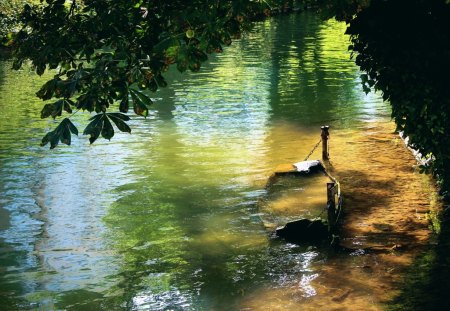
point(331, 206)
point(325, 136)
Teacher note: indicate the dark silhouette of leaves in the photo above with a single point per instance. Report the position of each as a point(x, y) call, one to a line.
point(62, 133)
point(100, 125)
point(55, 109)
point(141, 102)
point(119, 120)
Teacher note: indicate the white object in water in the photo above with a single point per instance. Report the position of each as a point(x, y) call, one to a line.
point(304, 166)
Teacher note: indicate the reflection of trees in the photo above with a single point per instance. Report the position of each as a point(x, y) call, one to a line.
point(2, 68)
point(300, 62)
point(18, 104)
point(178, 230)
point(312, 74)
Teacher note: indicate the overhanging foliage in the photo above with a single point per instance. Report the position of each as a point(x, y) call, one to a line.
point(108, 53)
point(403, 46)
point(10, 22)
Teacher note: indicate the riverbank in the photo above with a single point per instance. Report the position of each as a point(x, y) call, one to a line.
point(388, 202)
point(386, 228)
point(427, 281)
point(389, 207)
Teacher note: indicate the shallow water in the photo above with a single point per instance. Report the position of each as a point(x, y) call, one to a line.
point(291, 198)
point(169, 218)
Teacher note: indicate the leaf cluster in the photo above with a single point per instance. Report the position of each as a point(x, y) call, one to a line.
point(10, 23)
point(342, 10)
point(109, 54)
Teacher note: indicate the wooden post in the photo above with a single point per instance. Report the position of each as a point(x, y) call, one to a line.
point(325, 136)
point(331, 206)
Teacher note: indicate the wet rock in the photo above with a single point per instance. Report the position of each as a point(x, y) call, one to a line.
point(304, 230)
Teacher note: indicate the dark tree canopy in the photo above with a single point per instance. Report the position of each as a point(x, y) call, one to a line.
point(403, 47)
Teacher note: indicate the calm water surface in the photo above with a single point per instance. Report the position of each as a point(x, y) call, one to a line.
point(167, 218)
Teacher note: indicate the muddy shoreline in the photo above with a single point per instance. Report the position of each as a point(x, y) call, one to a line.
point(386, 218)
point(385, 229)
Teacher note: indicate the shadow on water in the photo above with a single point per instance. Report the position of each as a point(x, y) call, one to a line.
point(365, 194)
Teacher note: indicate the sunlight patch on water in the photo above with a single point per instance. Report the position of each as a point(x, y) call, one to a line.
point(305, 284)
point(166, 300)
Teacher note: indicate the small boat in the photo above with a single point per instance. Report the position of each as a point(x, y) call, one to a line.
point(303, 202)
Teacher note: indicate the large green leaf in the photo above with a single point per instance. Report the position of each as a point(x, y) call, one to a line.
point(100, 125)
point(119, 120)
point(141, 102)
point(48, 89)
point(94, 128)
point(47, 111)
point(62, 134)
point(107, 130)
point(55, 109)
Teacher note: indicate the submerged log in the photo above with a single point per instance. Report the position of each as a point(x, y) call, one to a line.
point(304, 230)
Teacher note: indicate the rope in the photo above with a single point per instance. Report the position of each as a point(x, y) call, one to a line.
point(313, 149)
point(321, 213)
